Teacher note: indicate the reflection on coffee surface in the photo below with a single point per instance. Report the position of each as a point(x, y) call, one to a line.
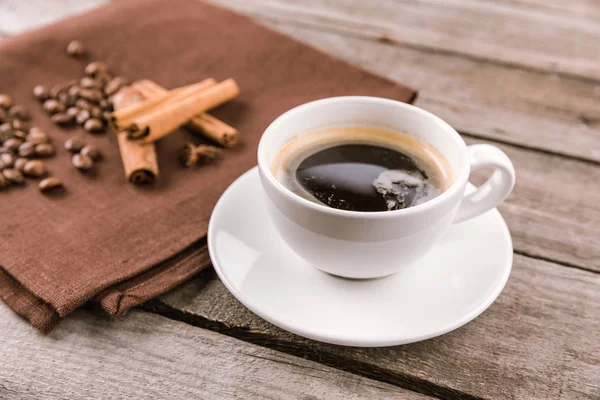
point(359, 169)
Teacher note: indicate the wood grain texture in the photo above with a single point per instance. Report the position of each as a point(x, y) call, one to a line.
point(536, 342)
point(151, 357)
point(17, 16)
point(554, 210)
point(510, 33)
point(539, 111)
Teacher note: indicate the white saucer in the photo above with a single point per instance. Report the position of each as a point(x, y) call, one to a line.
point(449, 287)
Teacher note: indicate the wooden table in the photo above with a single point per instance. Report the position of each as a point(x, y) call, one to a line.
point(521, 74)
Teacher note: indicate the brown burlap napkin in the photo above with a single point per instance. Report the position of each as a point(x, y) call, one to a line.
point(104, 239)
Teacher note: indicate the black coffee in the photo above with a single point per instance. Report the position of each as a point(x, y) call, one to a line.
point(375, 173)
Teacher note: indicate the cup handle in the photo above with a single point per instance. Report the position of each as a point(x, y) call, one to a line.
point(495, 189)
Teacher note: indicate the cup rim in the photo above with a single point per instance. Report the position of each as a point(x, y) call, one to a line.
point(459, 182)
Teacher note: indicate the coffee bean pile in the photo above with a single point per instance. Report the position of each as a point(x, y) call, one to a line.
point(22, 147)
point(84, 101)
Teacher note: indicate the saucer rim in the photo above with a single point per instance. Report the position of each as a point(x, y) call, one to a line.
point(337, 340)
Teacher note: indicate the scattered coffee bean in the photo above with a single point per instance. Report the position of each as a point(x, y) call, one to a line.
point(3, 182)
point(95, 68)
point(36, 129)
point(114, 85)
point(93, 125)
point(96, 112)
point(4, 114)
point(104, 104)
point(91, 95)
point(12, 144)
point(65, 99)
point(61, 118)
point(26, 149)
point(74, 91)
point(82, 117)
point(6, 127)
point(53, 106)
point(37, 137)
point(76, 48)
point(20, 125)
point(6, 101)
point(82, 162)
point(41, 92)
point(44, 150)
point(83, 104)
point(13, 176)
point(103, 77)
point(73, 111)
point(89, 83)
point(91, 151)
point(20, 163)
point(34, 168)
point(106, 115)
point(74, 144)
point(50, 184)
point(20, 112)
point(19, 134)
point(8, 160)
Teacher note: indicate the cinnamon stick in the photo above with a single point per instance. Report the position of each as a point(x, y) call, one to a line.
point(168, 115)
point(205, 124)
point(139, 159)
point(121, 119)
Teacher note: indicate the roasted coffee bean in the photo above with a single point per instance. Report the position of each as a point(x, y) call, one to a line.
point(74, 144)
point(56, 89)
point(14, 176)
point(114, 85)
point(93, 125)
point(12, 144)
point(53, 106)
point(20, 125)
point(35, 168)
point(19, 134)
point(37, 137)
point(91, 151)
point(6, 101)
point(50, 184)
point(91, 95)
point(62, 118)
point(44, 150)
point(4, 136)
point(104, 104)
point(76, 48)
point(65, 99)
point(82, 162)
point(20, 112)
point(26, 149)
point(73, 111)
point(96, 112)
point(82, 117)
point(106, 116)
point(8, 160)
point(20, 163)
point(95, 68)
point(89, 83)
point(36, 129)
point(103, 77)
point(4, 114)
point(41, 92)
point(74, 91)
point(4, 184)
point(83, 104)
point(6, 127)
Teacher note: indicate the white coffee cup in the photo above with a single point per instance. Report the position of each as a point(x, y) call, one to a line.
point(373, 244)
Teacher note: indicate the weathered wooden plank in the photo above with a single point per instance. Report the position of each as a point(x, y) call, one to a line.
point(553, 212)
point(17, 16)
point(538, 341)
point(152, 357)
point(510, 33)
point(540, 111)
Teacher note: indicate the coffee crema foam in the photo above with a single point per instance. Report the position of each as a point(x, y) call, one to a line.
point(362, 169)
